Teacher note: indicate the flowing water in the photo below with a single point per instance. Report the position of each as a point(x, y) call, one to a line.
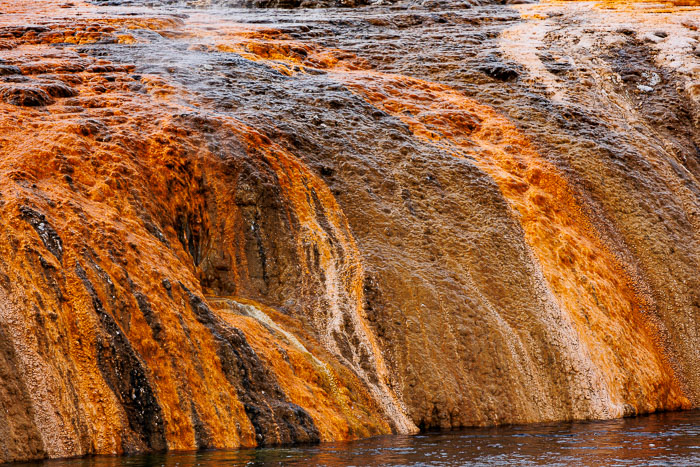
point(659, 439)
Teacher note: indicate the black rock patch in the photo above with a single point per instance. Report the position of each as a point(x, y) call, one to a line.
point(25, 95)
point(46, 232)
point(125, 374)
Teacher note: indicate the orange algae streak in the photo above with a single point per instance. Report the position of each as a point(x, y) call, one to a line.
point(302, 370)
point(588, 280)
point(277, 49)
point(180, 387)
point(116, 197)
point(95, 182)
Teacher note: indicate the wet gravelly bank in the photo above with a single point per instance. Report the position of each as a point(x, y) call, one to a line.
point(240, 227)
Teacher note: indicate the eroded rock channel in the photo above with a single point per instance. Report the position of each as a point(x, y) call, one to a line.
point(229, 227)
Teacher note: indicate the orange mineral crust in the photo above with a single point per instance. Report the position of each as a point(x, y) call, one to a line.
point(219, 233)
point(110, 345)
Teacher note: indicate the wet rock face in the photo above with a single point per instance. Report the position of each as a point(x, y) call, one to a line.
point(24, 95)
point(231, 228)
point(33, 93)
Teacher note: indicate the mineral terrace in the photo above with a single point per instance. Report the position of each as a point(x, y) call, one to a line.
point(229, 225)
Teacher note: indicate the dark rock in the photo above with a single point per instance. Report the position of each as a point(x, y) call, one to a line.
point(499, 71)
point(25, 95)
point(105, 69)
point(9, 70)
point(46, 232)
point(59, 89)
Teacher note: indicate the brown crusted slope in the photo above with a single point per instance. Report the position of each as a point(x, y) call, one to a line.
point(223, 235)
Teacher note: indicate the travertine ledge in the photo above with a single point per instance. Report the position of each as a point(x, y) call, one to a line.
point(227, 228)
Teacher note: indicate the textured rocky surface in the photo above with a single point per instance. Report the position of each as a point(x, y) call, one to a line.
point(228, 227)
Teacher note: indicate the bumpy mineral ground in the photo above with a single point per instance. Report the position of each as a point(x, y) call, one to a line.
point(227, 226)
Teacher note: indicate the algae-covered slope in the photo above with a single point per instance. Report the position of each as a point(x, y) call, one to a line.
point(230, 228)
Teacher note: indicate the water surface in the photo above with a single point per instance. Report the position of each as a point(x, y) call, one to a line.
point(659, 439)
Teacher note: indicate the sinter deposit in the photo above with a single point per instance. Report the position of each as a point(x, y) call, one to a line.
point(227, 226)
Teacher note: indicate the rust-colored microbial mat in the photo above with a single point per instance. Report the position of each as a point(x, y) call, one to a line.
point(232, 228)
